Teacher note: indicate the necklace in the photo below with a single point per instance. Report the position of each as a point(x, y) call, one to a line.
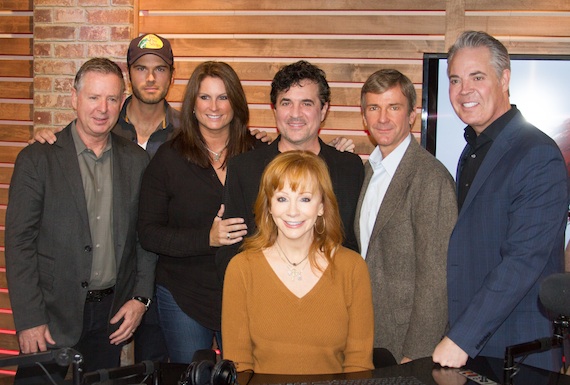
point(292, 271)
point(217, 155)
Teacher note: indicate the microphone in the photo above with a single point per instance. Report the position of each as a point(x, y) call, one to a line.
point(555, 293)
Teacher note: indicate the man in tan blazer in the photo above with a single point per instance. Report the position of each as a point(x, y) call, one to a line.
point(405, 214)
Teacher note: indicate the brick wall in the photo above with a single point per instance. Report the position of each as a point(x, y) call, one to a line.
point(66, 34)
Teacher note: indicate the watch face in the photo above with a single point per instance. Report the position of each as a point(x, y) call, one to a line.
point(143, 300)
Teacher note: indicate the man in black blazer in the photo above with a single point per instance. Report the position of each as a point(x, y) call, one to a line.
point(300, 97)
point(513, 207)
point(77, 276)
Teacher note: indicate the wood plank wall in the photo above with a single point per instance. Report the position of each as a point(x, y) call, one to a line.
point(348, 39)
point(16, 105)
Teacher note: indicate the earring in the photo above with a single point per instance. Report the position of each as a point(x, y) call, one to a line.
point(323, 228)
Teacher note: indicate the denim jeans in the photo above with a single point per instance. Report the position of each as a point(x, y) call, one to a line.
point(149, 339)
point(183, 335)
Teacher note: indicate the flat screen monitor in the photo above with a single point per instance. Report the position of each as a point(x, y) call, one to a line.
point(539, 86)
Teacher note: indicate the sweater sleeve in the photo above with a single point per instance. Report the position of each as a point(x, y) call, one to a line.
point(235, 320)
point(360, 339)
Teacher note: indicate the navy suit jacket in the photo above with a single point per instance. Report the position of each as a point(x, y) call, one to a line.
point(48, 239)
point(244, 176)
point(509, 236)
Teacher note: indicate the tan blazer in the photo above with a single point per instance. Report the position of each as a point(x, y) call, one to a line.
point(407, 254)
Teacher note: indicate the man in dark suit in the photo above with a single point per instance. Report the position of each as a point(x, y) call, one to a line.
point(513, 200)
point(300, 97)
point(405, 214)
point(77, 276)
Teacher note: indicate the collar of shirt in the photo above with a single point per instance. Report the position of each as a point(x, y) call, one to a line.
point(80, 146)
point(165, 122)
point(492, 131)
point(391, 162)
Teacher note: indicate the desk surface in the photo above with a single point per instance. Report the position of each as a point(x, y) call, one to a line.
point(423, 369)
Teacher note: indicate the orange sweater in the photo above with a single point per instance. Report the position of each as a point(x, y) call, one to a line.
point(267, 329)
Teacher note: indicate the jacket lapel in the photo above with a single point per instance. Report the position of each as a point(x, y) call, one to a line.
point(367, 176)
point(121, 163)
point(500, 147)
point(69, 165)
point(396, 190)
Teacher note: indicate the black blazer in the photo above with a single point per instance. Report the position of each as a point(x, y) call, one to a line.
point(242, 185)
point(48, 241)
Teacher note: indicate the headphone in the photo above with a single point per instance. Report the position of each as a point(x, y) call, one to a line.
point(208, 373)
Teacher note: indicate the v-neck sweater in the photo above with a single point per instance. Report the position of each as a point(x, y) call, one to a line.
point(268, 329)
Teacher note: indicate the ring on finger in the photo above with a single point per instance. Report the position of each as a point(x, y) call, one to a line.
point(229, 236)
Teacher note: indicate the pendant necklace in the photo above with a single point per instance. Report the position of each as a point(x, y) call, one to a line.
point(216, 155)
point(292, 267)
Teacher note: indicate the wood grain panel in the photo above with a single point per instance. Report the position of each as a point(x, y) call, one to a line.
point(336, 72)
point(2, 259)
point(15, 24)
point(5, 176)
point(16, 90)
point(16, 46)
point(296, 24)
point(3, 282)
point(6, 322)
point(9, 342)
point(16, 5)
point(2, 243)
point(16, 111)
point(536, 47)
point(15, 133)
point(291, 4)
point(519, 25)
point(2, 216)
point(3, 200)
point(16, 68)
point(8, 154)
point(5, 301)
point(305, 48)
point(517, 5)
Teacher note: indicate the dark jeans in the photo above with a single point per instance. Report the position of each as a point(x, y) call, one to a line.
point(93, 344)
point(149, 340)
point(183, 334)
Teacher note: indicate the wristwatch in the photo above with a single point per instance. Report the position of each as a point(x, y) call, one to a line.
point(145, 301)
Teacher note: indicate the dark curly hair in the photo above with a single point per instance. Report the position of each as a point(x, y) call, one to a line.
point(294, 74)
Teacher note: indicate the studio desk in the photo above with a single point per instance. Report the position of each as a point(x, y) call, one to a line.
point(423, 371)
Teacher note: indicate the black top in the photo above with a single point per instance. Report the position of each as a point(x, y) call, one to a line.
point(473, 156)
point(242, 186)
point(178, 203)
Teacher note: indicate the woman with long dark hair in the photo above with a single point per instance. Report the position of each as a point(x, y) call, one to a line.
point(181, 208)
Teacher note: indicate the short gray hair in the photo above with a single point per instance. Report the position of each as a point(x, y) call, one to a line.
point(99, 65)
point(474, 39)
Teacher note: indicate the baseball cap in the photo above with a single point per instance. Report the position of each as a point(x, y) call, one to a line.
point(150, 43)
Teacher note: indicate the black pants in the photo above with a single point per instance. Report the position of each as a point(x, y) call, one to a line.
point(94, 345)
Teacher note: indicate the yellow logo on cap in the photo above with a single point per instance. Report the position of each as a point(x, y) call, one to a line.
point(150, 42)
